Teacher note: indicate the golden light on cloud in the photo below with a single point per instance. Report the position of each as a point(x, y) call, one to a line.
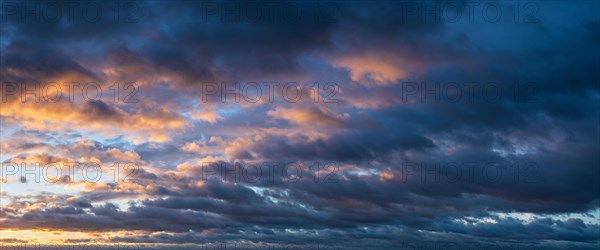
point(45, 237)
point(54, 237)
point(371, 69)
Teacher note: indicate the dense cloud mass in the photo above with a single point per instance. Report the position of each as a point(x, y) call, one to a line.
point(300, 125)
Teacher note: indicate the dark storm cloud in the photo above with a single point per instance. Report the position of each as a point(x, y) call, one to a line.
point(212, 41)
point(42, 63)
point(351, 146)
point(267, 222)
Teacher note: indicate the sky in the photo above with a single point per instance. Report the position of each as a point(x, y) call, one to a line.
point(300, 124)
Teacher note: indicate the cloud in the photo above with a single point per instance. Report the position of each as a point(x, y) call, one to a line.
point(410, 165)
point(309, 116)
point(206, 115)
point(373, 69)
